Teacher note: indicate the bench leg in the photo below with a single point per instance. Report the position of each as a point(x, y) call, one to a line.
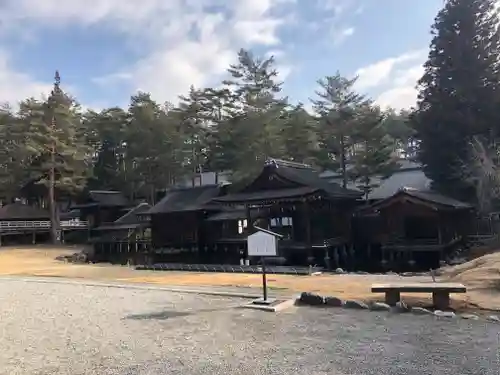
point(392, 297)
point(441, 300)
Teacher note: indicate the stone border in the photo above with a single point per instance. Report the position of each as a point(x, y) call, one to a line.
point(340, 271)
point(312, 299)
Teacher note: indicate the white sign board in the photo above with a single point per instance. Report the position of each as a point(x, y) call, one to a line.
point(261, 244)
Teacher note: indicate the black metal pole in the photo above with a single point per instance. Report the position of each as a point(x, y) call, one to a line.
point(264, 279)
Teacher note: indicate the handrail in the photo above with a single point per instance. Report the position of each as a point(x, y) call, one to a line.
point(41, 224)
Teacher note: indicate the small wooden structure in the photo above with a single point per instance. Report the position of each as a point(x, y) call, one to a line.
point(440, 292)
point(312, 214)
point(126, 240)
point(413, 227)
point(23, 223)
point(178, 229)
point(100, 206)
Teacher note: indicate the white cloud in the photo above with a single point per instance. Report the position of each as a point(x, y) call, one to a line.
point(394, 79)
point(340, 36)
point(403, 93)
point(335, 14)
point(378, 73)
point(15, 86)
point(184, 42)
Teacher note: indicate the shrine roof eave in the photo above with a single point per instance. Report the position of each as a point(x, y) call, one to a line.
point(277, 196)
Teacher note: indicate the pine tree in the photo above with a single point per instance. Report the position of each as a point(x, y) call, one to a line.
point(337, 107)
point(153, 144)
point(299, 135)
point(459, 91)
point(12, 154)
point(194, 116)
point(398, 127)
point(58, 155)
point(373, 157)
point(251, 132)
point(106, 137)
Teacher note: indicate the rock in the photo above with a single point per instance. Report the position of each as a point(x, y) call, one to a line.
point(361, 273)
point(401, 307)
point(421, 311)
point(380, 306)
point(493, 318)
point(340, 271)
point(334, 302)
point(444, 314)
point(409, 274)
point(311, 299)
point(390, 273)
point(351, 304)
point(469, 316)
point(456, 261)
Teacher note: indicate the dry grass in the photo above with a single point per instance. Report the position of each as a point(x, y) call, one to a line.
point(482, 277)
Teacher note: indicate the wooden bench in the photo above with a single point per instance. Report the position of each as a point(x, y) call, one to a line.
point(440, 292)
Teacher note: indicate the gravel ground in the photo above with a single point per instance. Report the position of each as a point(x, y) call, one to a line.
point(77, 329)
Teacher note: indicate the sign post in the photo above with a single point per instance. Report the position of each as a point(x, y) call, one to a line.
point(263, 243)
point(264, 279)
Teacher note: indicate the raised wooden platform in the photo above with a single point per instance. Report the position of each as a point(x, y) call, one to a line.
point(440, 291)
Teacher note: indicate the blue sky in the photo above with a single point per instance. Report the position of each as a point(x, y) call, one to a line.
point(108, 49)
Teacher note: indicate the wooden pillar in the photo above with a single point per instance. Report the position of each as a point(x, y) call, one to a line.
point(307, 219)
point(248, 230)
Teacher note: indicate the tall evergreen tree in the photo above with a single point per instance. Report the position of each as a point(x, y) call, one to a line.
point(12, 154)
point(255, 115)
point(153, 143)
point(105, 135)
point(459, 91)
point(373, 157)
point(299, 135)
point(337, 106)
point(59, 158)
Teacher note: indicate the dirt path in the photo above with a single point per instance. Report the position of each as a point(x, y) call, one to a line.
point(40, 261)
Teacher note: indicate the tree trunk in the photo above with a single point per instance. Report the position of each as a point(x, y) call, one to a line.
point(343, 161)
point(52, 201)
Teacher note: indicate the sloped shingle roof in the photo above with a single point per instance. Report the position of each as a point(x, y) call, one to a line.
point(187, 199)
point(20, 211)
point(436, 200)
point(129, 220)
point(302, 180)
point(109, 198)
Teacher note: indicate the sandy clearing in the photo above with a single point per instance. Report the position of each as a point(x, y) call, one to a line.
point(481, 276)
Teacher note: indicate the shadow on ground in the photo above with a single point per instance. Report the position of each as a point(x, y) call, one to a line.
point(168, 314)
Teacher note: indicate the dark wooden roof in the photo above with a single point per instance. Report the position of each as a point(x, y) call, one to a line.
point(288, 181)
point(109, 198)
point(128, 221)
point(20, 211)
point(188, 199)
point(431, 199)
point(103, 198)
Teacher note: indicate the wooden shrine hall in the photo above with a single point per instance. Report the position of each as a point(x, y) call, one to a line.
point(125, 240)
point(412, 228)
point(312, 214)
